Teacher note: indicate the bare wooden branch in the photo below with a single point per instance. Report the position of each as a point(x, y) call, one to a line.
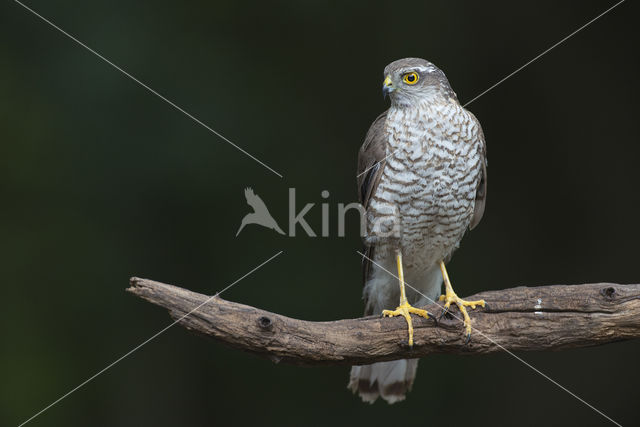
point(519, 319)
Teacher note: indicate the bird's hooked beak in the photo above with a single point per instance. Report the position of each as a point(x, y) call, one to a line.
point(387, 87)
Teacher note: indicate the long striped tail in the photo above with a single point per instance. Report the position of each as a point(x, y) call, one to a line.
point(389, 380)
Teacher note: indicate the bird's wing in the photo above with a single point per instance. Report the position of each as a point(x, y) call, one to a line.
point(371, 159)
point(371, 162)
point(481, 191)
point(254, 200)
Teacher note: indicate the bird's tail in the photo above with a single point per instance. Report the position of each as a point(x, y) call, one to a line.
point(389, 380)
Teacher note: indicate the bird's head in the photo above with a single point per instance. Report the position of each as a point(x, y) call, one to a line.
point(410, 81)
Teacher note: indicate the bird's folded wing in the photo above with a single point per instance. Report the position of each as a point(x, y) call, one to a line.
point(371, 162)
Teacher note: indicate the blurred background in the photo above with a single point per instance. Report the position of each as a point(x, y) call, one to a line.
point(100, 180)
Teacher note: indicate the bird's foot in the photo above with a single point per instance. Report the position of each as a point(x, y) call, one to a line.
point(451, 297)
point(405, 309)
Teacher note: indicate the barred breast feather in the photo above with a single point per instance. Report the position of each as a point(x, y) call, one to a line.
point(434, 163)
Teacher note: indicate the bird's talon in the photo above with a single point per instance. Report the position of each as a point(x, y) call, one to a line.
point(405, 310)
point(435, 319)
point(445, 310)
point(451, 297)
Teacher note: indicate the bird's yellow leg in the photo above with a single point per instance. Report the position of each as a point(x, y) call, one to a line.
point(405, 309)
point(450, 296)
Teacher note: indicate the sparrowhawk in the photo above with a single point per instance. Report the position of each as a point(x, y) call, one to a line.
point(422, 180)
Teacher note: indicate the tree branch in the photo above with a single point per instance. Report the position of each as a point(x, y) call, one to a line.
point(524, 319)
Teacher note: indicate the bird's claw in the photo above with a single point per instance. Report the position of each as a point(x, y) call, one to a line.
point(468, 338)
point(444, 311)
point(405, 310)
point(449, 298)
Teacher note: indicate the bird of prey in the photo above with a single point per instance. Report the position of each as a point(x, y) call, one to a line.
point(260, 215)
point(422, 180)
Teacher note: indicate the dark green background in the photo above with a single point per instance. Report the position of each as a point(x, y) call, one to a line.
point(100, 180)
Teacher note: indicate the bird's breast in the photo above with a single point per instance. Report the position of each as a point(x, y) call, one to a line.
point(431, 175)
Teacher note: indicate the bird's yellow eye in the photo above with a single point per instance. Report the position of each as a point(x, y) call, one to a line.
point(410, 78)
